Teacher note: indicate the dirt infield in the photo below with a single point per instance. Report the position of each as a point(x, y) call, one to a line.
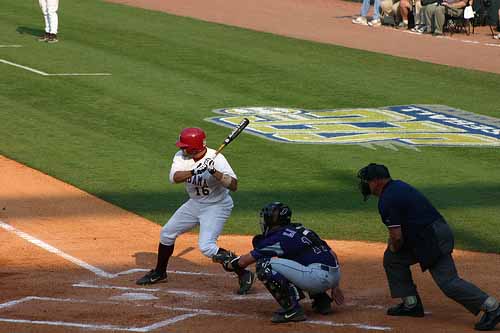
point(69, 262)
point(329, 21)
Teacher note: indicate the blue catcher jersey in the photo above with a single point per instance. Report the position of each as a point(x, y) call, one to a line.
point(294, 242)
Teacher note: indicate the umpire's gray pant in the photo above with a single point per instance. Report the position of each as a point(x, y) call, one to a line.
point(397, 267)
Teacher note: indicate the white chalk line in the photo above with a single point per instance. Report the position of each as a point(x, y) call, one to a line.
point(104, 274)
point(465, 41)
point(47, 74)
point(23, 67)
point(357, 325)
point(11, 46)
point(191, 312)
point(97, 271)
point(136, 270)
point(51, 249)
point(188, 293)
point(105, 286)
point(167, 322)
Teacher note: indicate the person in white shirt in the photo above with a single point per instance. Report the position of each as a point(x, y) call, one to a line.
point(208, 178)
point(49, 10)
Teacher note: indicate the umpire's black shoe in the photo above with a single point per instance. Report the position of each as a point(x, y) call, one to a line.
point(322, 303)
point(403, 310)
point(295, 314)
point(488, 321)
point(246, 281)
point(152, 277)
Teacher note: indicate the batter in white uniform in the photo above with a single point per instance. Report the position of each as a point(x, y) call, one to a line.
point(208, 180)
point(49, 10)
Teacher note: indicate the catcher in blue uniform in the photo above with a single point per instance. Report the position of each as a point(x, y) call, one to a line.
point(290, 260)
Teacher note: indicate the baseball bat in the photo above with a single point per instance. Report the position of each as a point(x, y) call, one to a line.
point(233, 135)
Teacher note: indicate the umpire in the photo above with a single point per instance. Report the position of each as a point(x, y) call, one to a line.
point(419, 234)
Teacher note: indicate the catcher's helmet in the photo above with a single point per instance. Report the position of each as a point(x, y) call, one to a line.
point(192, 140)
point(370, 172)
point(274, 214)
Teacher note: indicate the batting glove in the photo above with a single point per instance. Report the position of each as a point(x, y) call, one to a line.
point(199, 169)
point(210, 165)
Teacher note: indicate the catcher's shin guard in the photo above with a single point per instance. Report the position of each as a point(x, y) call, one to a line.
point(284, 292)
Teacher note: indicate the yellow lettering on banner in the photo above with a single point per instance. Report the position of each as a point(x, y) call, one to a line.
point(442, 139)
point(403, 127)
point(354, 126)
point(322, 127)
point(361, 116)
point(332, 117)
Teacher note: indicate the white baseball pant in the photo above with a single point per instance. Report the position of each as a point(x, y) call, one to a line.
point(49, 10)
point(211, 218)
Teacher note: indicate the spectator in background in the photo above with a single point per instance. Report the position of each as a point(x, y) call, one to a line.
point(365, 7)
point(49, 10)
point(435, 14)
point(498, 26)
point(425, 27)
point(390, 8)
point(405, 8)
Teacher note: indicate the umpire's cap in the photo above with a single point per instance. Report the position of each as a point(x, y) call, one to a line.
point(373, 171)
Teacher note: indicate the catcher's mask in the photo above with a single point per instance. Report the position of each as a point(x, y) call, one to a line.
point(274, 214)
point(370, 172)
point(191, 140)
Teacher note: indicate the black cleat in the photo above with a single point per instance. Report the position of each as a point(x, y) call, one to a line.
point(44, 37)
point(295, 314)
point(403, 310)
point(488, 321)
point(52, 38)
point(152, 277)
point(246, 281)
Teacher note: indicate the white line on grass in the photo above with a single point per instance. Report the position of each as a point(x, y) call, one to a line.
point(47, 74)
point(23, 67)
point(11, 46)
point(51, 249)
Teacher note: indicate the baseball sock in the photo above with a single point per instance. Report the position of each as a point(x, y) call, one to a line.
point(490, 304)
point(164, 253)
point(410, 301)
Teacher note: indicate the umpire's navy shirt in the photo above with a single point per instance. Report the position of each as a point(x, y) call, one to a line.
point(402, 205)
point(288, 242)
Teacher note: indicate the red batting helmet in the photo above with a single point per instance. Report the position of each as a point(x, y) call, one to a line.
point(192, 140)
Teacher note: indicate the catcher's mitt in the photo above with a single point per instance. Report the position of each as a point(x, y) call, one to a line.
point(226, 259)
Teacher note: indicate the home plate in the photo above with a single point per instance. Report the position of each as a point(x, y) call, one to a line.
point(134, 297)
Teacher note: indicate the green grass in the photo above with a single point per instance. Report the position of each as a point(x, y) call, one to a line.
point(114, 136)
